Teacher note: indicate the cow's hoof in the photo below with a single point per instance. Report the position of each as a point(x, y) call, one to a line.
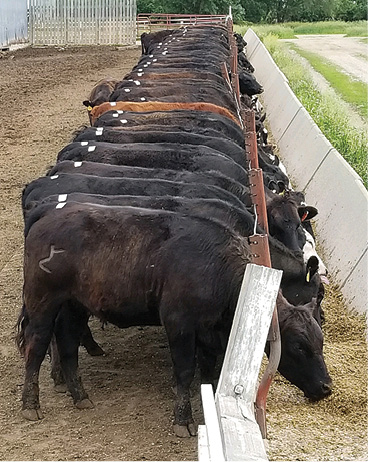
point(95, 350)
point(32, 414)
point(61, 388)
point(85, 404)
point(185, 431)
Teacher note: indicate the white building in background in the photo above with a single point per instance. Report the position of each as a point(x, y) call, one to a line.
point(13, 22)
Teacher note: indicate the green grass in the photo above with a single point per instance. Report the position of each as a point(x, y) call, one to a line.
point(352, 91)
point(290, 29)
point(325, 109)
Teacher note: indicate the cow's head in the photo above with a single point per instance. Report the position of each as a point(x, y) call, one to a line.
point(249, 85)
point(301, 287)
point(302, 361)
point(89, 105)
point(285, 217)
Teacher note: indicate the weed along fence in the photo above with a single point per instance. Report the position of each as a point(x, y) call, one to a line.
point(81, 22)
point(13, 22)
point(321, 172)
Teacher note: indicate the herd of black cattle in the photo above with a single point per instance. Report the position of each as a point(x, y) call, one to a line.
point(145, 220)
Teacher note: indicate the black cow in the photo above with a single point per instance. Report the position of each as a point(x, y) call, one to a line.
point(285, 217)
point(248, 84)
point(296, 350)
point(147, 40)
point(172, 73)
point(67, 183)
point(96, 134)
point(101, 92)
point(192, 120)
point(143, 266)
point(156, 155)
point(113, 135)
point(211, 177)
point(244, 63)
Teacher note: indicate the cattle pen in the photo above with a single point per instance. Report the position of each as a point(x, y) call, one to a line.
point(131, 374)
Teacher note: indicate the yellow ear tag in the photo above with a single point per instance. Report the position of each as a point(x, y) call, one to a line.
point(308, 276)
point(89, 108)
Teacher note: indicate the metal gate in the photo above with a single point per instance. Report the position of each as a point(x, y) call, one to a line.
point(13, 22)
point(82, 22)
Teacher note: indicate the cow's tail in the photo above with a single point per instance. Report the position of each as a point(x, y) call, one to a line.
point(21, 325)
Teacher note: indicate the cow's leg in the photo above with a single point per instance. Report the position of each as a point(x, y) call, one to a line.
point(36, 332)
point(182, 349)
point(56, 371)
point(68, 328)
point(207, 365)
point(89, 343)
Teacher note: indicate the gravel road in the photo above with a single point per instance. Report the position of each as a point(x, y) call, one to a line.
point(349, 53)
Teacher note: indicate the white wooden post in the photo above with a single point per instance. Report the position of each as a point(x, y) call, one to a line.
point(239, 375)
point(240, 435)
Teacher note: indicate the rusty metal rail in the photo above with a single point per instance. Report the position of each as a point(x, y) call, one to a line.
point(153, 22)
point(258, 242)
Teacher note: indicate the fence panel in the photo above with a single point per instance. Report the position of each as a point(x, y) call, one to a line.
point(13, 22)
point(82, 22)
point(153, 22)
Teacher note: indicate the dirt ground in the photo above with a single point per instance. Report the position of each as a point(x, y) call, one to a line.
point(40, 96)
point(349, 53)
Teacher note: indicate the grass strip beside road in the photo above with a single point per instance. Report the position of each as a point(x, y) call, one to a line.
point(288, 30)
point(352, 91)
point(326, 109)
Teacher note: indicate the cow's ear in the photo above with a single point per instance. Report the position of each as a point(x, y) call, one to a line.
point(307, 212)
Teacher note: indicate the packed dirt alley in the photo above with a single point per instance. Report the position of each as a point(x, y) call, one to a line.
point(41, 91)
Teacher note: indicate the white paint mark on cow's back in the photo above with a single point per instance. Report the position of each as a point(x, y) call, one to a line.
point(60, 205)
point(140, 74)
point(137, 82)
point(62, 197)
point(127, 90)
point(113, 103)
point(84, 143)
point(91, 148)
point(120, 111)
point(78, 164)
point(53, 177)
point(99, 131)
point(123, 121)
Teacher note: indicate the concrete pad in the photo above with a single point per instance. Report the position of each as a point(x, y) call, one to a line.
point(303, 147)
point(342, 228)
